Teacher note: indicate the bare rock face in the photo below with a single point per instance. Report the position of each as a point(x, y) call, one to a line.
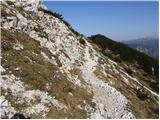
point(48, 73)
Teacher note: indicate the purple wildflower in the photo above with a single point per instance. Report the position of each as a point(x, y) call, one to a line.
point(56, 76)
point(5, 41)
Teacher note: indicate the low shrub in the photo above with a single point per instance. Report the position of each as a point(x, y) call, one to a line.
point(66, 23)
point(141, 94)
point(129, 71)
point(6, 43)
point(57, 15)
point(9, 3)
point(75, 32)
point(117, 59)
point(82, 41)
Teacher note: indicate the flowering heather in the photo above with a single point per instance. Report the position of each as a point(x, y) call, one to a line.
point(56, 76)
point(6, 41)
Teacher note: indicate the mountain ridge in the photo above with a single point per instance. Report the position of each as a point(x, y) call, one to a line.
point(50, 71)
point(123, 50)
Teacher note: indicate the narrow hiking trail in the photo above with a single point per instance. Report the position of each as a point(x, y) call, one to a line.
point(110, 102)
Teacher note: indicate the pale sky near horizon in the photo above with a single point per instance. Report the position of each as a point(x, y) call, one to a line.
point(116, 20)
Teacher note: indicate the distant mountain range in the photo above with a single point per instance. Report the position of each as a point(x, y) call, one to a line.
point(149, 46)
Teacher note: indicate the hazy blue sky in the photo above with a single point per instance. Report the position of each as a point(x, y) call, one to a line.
point(117, 20)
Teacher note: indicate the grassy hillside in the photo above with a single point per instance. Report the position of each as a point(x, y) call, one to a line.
point(126, 53)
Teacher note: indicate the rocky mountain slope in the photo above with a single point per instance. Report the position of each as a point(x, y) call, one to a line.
point(48, 70)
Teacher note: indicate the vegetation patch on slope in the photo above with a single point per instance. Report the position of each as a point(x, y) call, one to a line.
point(127, 54)
point(37, 73)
